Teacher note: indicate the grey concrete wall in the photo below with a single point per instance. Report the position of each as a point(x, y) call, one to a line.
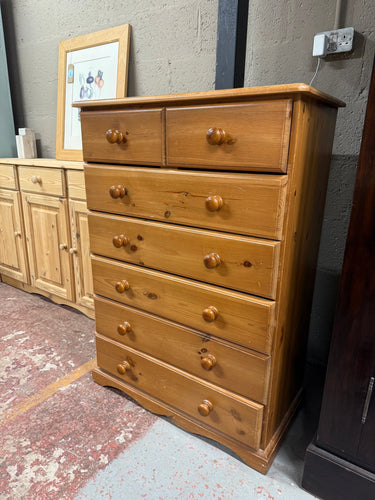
point(173, 49)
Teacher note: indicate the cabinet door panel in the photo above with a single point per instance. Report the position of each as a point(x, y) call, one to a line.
point(48, 243)
point(81, 253)
point(13, 261)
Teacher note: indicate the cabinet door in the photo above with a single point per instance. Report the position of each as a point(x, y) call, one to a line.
point(13, 260)
point(81, 253)
point(48, 243)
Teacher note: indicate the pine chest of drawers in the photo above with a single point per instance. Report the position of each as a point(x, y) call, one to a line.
point(205, 219)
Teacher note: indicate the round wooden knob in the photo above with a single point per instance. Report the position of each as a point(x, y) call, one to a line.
point(205, 408)
point(122, 286)
point(208, 362)
point(117, 191)
point(210, 314)
point(73, 251)
point(63, 246)
point(114, 136)
point(123, 367)
point(36, 179)
point(120, 241)
point(17, 233)
point(215, 136)
point(124, 328)
point(212, 260)
point(214, 203)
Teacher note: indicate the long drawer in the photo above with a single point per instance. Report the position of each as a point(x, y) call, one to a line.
point(237, 262)
point(239, 318)
point(241, 371)
point(141, 140)
point(232, 415)
point(253, 136)
point(237, 203)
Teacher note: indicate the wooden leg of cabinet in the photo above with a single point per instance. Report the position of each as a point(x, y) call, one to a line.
point(260, 460)
point(58, 300)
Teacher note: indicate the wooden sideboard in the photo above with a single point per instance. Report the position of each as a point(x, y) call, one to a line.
point(205, 214)
point(44, 244)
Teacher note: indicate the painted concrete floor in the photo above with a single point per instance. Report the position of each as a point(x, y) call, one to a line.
point(64, 437)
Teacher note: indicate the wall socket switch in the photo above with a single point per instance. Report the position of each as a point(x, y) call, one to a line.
point(333, 42)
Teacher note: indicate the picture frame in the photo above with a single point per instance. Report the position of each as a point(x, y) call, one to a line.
point(93, 66)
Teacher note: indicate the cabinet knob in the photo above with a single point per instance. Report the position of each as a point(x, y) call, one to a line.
point(120, 241)
point(124, 328)
point(17, 234)
point(63, 246)
point(114, 136)
point(208, 362)
point(212, 260)
point(36, 179)
point(210, 314)
point(214, 203)
point(123, 367)
point(122, 286)
point(205, 408)
point(73, 251)
point(117, 191)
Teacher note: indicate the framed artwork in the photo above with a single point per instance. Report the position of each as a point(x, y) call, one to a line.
point(93, 66)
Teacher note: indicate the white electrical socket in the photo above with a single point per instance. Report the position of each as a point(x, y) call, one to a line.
point(333, 42)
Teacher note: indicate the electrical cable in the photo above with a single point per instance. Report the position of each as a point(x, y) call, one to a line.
point(316, 71)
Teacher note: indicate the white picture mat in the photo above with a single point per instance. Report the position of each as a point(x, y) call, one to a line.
point(88, 62)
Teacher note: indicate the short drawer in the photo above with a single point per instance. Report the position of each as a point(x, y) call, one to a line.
point(42, 180)
point(129, 137)
point(233, 415)
point(252, 136)
point(251, 204)
point(76, 184)
point(239, 318)
point(237, 262)
point(241, 371)
point(8, 177)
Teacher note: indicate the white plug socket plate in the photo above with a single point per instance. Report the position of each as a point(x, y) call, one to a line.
point(338, 40)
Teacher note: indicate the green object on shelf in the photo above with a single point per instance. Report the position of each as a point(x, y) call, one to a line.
point(8, 146)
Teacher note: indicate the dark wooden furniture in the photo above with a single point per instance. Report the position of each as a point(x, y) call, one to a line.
point(341, 463)
point(203, 267)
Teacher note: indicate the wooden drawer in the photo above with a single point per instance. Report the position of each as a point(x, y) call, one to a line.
point(8, 177)
point(242, 371)
point(142, 129)
point(237, 317)
point(237, 262)
point(42, 180)
point(252, 204)
point(233, 415)
point(253, 136)
point(76, 184)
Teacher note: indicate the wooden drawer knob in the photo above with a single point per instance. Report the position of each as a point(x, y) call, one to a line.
point(205, 408)
point(212, 260)
point(208, 362)
point(124, 328)
point(17, 234)
point(73, 251)
point(117, 191)
point(122, 286)
point(215, 136)
point(214, 203)
point(120, 241)
point(63, 246)
point(114, 136)
point(210, 314)
point(123, 367)
point(36, 179)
